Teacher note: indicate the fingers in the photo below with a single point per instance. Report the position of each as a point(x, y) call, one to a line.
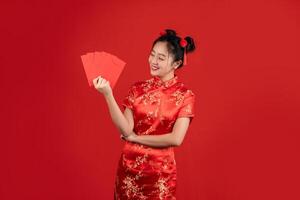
point(122, 137)
point(95, 80)
point(100, 82)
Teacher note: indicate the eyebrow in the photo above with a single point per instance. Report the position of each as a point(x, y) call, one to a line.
point(160, 53)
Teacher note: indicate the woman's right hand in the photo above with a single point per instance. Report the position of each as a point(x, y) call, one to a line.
point(131, 137)
point(102, 85)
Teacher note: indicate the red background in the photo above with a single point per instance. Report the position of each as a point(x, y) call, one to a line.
point(57, 138)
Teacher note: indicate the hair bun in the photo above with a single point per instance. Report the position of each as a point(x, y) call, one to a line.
point(170, 32)
point(190, 44)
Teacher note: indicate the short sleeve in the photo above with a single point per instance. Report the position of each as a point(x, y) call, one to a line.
point(129, 98)
point(188, 107)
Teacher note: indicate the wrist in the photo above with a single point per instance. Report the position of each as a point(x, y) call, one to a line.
point(127, 134)
point(108, 95)
point(135, 138)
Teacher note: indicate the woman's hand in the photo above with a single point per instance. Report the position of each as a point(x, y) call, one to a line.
point(102, 85)
point(131, 137)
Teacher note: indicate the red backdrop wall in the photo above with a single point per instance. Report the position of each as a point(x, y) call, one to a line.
point(57, 138)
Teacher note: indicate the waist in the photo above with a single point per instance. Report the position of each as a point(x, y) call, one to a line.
point(140, 149)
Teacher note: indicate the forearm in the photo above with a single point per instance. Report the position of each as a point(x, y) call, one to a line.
point(116, 114)
point(164, 140)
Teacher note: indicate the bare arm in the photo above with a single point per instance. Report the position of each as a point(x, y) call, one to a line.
point(124, 122)
point(175, 138)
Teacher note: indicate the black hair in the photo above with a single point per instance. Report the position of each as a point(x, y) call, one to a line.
point(173, 44)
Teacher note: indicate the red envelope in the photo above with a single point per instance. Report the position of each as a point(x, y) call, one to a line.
point(102, 64)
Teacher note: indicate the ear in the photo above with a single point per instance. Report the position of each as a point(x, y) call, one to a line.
point(177, 63)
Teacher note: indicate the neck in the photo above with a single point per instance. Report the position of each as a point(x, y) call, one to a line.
point(167, 77)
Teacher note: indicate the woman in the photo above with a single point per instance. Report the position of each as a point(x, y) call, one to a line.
point(157, 115)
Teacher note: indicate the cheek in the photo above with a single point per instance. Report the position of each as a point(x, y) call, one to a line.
point(164, 67)
point(149, 59)
point(168, 67)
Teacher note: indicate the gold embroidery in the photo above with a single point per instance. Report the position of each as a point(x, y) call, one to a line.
point(165, 164)
point(139, 175)
point(139, 123)
point(148, 119)
point(162, 186)
point(160, 83)
point(146, 86)
point(150, 115)
point(150, 98)
point(178, 97)
point(139, 160)
point(137, 146)
point(190, 91)
point(171, 124)
point(132, 189)
point(149, 130)
point(130, 99)
point(188, 109)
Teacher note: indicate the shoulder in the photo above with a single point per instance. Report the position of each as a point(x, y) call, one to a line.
point(186, 91)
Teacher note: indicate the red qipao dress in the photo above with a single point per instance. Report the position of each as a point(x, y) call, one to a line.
point(146, 172)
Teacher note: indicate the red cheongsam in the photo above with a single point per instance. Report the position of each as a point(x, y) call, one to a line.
point(146, 172)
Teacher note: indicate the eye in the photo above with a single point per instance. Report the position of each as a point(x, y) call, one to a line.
point(161, 59)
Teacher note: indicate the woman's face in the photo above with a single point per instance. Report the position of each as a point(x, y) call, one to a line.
point(160, 61)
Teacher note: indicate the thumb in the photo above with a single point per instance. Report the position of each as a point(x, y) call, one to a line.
point(95, 80)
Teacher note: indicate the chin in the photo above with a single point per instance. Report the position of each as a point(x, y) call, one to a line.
point(153, 73)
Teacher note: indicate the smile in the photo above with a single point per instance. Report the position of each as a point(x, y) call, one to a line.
point(154, 68)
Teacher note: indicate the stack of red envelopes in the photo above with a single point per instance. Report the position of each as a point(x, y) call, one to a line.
point(102, 64)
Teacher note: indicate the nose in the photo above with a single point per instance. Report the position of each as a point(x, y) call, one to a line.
point(154, 60)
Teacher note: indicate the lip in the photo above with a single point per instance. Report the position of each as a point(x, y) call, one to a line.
point(154, 67)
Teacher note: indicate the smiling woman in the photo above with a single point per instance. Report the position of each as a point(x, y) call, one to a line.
point(158, 112)
point(162, 112)
point(161, 109)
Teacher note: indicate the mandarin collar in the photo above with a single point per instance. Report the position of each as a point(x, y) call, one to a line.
point(167, 83)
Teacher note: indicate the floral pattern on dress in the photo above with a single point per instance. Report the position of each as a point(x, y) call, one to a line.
point(145, 172)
